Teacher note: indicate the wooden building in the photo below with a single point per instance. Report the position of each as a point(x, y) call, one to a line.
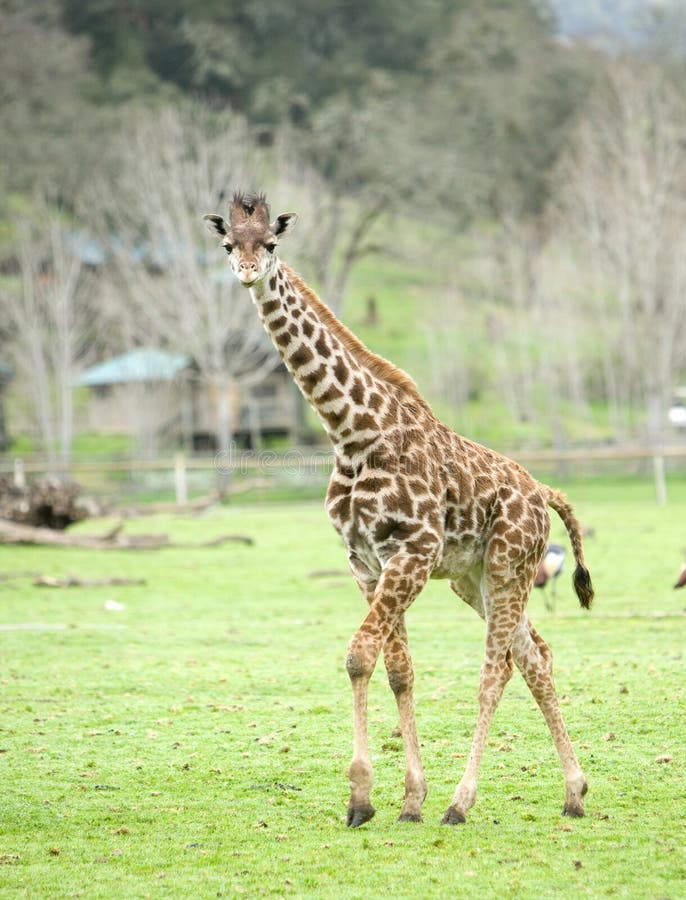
point(161, 399)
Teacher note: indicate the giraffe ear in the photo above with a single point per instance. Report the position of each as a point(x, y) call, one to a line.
point(216, 225)
point(284, 223)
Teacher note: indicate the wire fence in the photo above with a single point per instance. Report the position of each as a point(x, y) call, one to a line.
point(302, 472)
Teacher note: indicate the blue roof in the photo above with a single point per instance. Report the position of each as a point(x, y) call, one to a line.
point(84, 248)
point(138, 365)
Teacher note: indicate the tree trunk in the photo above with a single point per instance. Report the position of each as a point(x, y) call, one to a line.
point(66, 418)
point(354, 250)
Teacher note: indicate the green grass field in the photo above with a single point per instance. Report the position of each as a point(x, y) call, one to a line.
point(195, 743)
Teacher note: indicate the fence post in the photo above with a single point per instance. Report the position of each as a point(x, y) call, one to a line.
point(180, 481)
point(19, 476)
point(660, 481)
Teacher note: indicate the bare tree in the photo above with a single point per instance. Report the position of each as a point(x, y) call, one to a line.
point(175, 290)
point(350, 187)
point(518, 323)
point(625, 193)
point(48, 317)
point(339, 229)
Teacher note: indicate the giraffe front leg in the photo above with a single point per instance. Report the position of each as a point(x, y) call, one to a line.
point(360, 774)
point(360, 809)
point(392, 595)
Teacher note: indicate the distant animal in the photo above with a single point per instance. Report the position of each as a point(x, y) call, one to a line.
point(549, 571)
point(681, 580)
point(412, 500)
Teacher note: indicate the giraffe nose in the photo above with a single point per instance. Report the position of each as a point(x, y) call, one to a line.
point(248, 266)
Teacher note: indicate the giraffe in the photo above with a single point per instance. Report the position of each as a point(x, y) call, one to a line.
point(412, 500)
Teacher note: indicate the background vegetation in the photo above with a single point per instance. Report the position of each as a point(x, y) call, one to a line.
point(504, 178)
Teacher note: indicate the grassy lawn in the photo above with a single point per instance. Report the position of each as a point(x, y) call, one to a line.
point(195, 742)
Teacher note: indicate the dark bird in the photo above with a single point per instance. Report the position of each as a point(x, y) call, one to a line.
point(681, 580)
point(550, 569)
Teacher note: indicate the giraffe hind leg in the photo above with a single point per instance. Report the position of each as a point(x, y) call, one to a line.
point(534, 660)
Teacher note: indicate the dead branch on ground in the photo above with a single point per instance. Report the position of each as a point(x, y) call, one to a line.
point(196, 506)
point(114, 539)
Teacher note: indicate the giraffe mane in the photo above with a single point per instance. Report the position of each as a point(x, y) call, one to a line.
point(377, 365)
point(249, 208)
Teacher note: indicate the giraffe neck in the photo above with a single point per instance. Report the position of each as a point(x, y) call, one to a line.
point(351, 389)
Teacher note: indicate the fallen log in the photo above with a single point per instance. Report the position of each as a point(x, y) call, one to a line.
point(14, 533)
point(50, 501)
point(196, 506)
point(114, 539)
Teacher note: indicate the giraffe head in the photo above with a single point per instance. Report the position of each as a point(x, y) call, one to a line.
point(249, 238)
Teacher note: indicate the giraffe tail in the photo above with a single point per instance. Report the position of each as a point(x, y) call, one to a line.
point(582, 577)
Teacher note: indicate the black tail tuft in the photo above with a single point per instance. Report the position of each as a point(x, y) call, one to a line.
point(583, 586)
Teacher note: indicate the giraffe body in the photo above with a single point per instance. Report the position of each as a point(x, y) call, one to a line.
point(412, 500)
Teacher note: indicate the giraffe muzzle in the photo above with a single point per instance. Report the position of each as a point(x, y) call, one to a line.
point(247, 273)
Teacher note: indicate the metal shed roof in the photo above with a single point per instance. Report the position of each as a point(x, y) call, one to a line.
point(135, 366)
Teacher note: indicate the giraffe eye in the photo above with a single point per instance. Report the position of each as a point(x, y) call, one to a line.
point(271, 247)
point(228, 248)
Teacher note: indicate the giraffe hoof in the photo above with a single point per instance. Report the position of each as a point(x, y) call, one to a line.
point(453, 817)
point(574, 803)
point(358, 815)
point(574, 812)
point(410, 817)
